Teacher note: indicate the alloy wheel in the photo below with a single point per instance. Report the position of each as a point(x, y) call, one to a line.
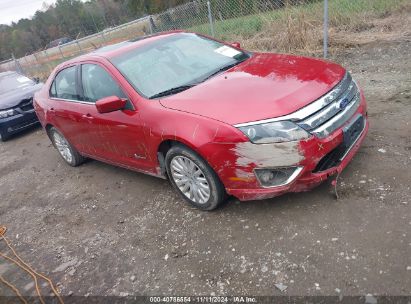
point(63, 147)
point(190, 179)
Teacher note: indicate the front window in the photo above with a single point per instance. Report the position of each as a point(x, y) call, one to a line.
point(13, 81)
point(178, 61)
point(97, 83)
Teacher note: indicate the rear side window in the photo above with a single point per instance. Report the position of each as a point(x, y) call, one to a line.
point(97, 83)
point(64, 85)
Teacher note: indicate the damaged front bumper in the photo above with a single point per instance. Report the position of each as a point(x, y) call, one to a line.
point(309, 176)
point(312, 160)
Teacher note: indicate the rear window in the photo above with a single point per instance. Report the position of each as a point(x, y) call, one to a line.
point(64, 85)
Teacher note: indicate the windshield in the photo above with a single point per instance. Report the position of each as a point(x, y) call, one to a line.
point(175, 63)
point(13, 81)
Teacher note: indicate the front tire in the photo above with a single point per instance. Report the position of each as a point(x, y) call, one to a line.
point(193, 178)
point(4, 137)
point(70, 155)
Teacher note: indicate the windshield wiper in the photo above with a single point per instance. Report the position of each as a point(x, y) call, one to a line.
point(173, 91)
point(224, 68)
point(188, 86)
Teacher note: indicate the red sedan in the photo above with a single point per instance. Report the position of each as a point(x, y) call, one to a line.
point(212, 118)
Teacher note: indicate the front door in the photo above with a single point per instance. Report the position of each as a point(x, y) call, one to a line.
point(116, 137)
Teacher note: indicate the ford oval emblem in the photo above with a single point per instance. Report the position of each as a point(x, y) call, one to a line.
point(344, 103)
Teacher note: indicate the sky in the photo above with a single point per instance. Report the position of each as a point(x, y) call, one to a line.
point(14, 10)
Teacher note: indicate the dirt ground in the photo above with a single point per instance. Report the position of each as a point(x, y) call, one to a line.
point(102, 230)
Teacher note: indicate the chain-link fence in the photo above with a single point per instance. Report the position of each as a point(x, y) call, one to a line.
point(294, 26)
point(7, 65)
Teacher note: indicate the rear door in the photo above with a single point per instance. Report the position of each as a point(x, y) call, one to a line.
point(66, 109)
point(116, 137)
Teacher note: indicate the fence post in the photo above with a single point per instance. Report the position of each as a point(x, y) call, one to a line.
point(104, 38)
point(150, 24)
point(35, 56)
point(325, 28)
point(61, 52)
point(210, 18)
point(78, 45)
point(17, 64)
point(47, 55)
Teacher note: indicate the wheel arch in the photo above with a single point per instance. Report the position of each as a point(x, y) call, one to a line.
point(48, 127)
point(167, 144)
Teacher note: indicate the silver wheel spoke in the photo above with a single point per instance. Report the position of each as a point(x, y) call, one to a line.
point(190, 179)
point(63, 147)
point(178, 174)
point(196, 195)
point(202, 194)
point(201, 179)
point(183, 181)
point(177, 167)
point(204, 186)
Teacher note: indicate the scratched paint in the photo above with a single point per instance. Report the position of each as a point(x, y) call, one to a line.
point(195, 131)
point(267, 155)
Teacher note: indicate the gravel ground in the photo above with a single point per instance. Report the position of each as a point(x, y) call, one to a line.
point(102, 230)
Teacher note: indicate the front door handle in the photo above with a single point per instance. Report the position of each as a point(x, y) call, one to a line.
point(88, 116)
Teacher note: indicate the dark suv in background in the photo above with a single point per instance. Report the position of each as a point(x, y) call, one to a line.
point(16, 103)
point(58, 42)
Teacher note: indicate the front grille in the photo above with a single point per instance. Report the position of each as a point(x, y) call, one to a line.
point(23, 125)
point(331, 111)
point(352, 132)
point(331, 159)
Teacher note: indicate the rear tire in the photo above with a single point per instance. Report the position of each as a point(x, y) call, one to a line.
point(70, 155)
point(193, 178)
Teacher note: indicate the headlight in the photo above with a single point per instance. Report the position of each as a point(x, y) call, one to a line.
point(273, 132)
point(7, 113)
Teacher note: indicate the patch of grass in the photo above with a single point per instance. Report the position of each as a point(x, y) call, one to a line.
point(297, 28)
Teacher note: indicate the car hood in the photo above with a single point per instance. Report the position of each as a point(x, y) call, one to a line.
point(13, 98)
point(264, 86)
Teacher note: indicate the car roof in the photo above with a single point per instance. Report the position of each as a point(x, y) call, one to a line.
point(114, 50)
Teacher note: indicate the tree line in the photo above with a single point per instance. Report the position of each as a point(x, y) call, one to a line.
point(72, 19)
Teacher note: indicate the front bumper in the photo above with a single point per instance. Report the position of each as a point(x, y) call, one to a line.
point(237, 171)
point(17, 123)
point(307, 179)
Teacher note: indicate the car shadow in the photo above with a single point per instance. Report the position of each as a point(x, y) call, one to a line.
point(320, 195)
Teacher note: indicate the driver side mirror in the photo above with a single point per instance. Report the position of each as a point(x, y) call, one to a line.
point(110, 104)
point(236, 44)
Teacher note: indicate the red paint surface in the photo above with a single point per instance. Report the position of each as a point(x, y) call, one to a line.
point(110, 104)
point(265, 86)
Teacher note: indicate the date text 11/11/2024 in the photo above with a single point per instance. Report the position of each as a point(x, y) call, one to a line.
point(203, 299)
